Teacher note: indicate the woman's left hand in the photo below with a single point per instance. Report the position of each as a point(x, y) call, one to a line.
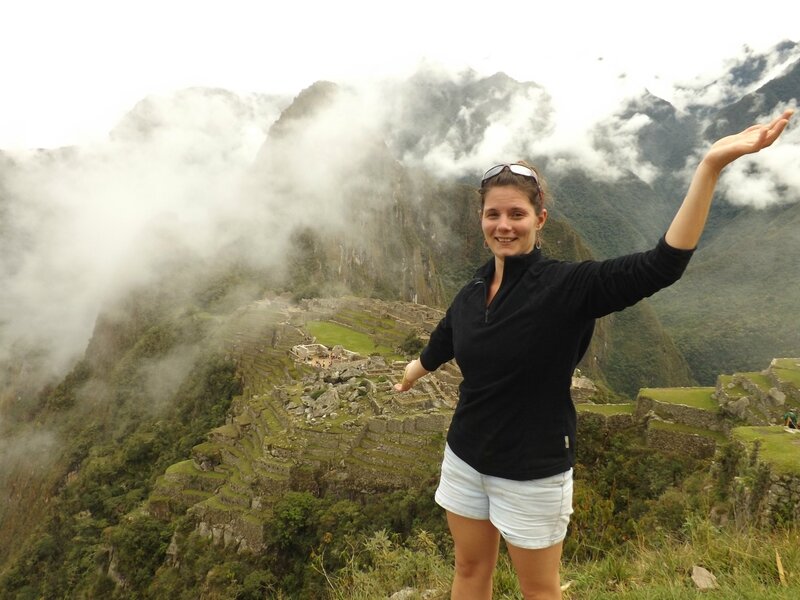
point(749, 141)
point(413, 371)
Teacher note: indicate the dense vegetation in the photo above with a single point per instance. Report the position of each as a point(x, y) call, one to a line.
point(640, 523)
point(154, 381)
point(113, 465)
point(121, 432)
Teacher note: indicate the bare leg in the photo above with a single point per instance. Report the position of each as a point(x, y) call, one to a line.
point(476, 544)
point(537, 571)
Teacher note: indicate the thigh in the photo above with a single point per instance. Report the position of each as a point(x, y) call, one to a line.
point(461, 489)
point(537, 570)
point(531, 514)
point(476, 542)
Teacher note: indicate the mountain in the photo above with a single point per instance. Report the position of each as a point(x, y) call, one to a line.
point(221, 204)
point(334, 214)
point(717, 314)
point(764, 81)
point(733, 309)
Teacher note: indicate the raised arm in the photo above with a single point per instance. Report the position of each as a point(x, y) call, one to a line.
point(689, 221)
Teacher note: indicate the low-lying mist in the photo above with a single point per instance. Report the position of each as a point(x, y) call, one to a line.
point(197, 176)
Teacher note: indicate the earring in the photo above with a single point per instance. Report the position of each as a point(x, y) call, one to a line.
point(485, 245)
point(538, 244)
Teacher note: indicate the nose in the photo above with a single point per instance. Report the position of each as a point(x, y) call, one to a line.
point(504, 223)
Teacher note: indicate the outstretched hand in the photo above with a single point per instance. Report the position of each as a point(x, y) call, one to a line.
point(749, 141)
point(413, 371)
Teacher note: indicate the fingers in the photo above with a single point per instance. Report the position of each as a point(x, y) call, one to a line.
point(780, 123)
point(404, 384)
point(767, 134)
point(753, 139)
point(775, 130)
point(777, 124)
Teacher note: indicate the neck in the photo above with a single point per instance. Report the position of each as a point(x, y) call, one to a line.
point(499, 264)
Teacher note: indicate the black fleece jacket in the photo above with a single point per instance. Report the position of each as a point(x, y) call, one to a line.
point(515, 418)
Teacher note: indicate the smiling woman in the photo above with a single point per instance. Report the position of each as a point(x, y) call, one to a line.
point(517, 330)
point(512, 213)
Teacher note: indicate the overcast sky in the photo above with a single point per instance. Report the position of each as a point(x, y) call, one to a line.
point(71, 69)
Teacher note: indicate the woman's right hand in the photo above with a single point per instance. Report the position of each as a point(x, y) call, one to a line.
point(413, 371)
point(751, 140)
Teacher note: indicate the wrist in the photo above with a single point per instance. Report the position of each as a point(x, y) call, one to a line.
point(710, 167)
point(410, 373)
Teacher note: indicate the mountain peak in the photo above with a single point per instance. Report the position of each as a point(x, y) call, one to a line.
point(307, 103)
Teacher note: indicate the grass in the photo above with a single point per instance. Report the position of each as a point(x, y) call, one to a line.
point(188, 467)
point(778, 448)
point(227, 430)
point(654, 566)
point(681, 428)
point(607, 409)
point(696, 397)
point(788, 370)
point(332, 334)
point(759, 379)
point(737, 391)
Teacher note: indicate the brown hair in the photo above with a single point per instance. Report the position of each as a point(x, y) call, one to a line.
point(537, 194)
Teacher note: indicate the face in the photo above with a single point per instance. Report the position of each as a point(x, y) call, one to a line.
point(509, 221)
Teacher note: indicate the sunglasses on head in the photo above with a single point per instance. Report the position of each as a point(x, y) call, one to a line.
point(516, 169)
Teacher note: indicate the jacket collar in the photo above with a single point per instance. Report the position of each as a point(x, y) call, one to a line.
point(514, 265)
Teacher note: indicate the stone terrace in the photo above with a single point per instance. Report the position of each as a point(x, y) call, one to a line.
point(742, 406)
point(306, 423)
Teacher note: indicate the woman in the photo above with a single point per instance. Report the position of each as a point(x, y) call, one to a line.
point(517, 331)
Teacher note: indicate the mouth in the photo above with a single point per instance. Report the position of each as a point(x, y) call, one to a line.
point(505, 240)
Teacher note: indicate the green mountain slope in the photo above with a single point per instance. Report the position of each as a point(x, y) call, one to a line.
point(736, 306)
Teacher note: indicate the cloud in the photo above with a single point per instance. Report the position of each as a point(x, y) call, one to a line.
point(24, 446)
point(90, 221)
point(162, 377)
point(306, 173)
point(458, 124)
point(743, 74)
point(186, 174)
point(770, 177)
point(617, 144)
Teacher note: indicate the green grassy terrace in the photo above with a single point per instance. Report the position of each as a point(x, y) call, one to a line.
point(332, 334)
point(696, 397)
point(778, 448)
point(188, 467)
point(681, 428)
point(607, 409)
point(737, 391)
point(759, 379)
point(788, 370)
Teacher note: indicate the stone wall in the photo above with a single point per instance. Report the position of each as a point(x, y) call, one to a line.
point(428, 423)
point(680, 413)
point(612, 424)
point(679, 442)
point(783, 499)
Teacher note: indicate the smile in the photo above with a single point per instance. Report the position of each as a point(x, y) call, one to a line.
point(505, 240)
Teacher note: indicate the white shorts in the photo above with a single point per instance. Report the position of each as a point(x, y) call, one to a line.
point(528, 514)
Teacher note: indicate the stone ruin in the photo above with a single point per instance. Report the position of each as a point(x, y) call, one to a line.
point(310, 416)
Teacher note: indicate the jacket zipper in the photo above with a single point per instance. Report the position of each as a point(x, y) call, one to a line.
point(485, 299)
